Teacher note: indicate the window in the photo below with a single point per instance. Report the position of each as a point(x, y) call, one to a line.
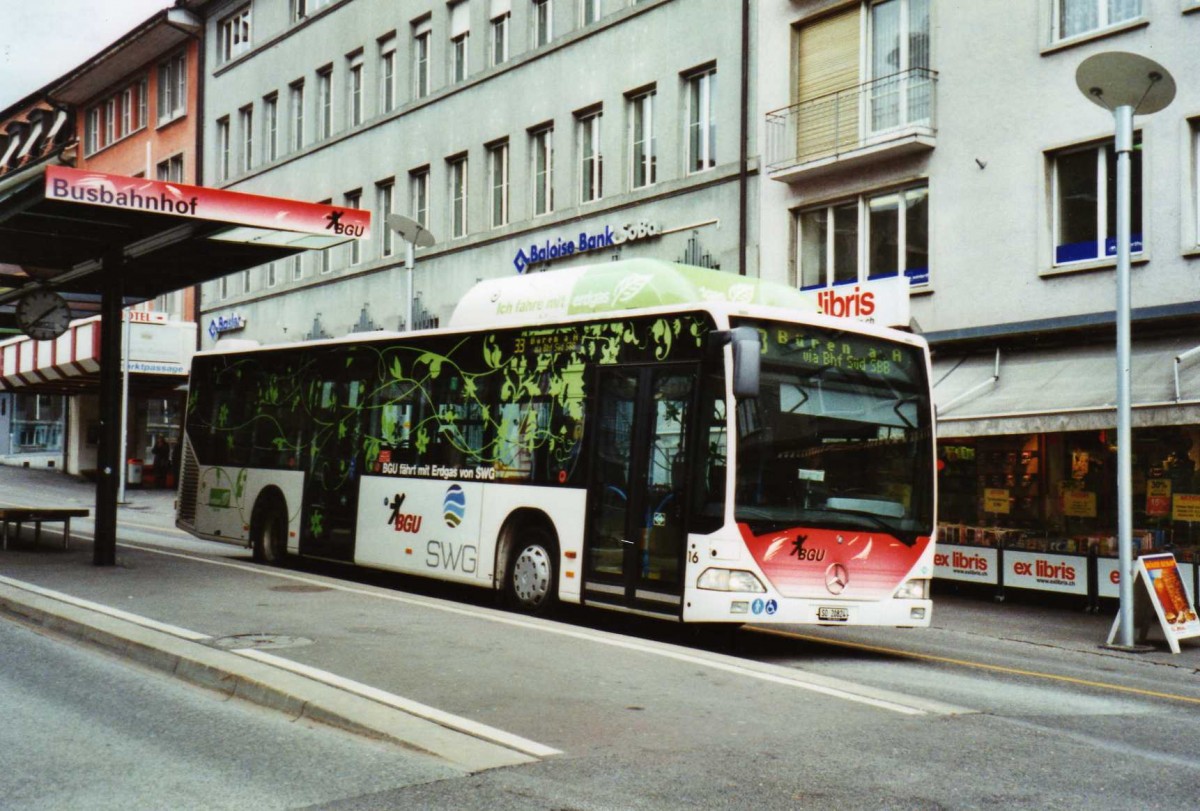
point(296, 103)
point(418, 181)
point(302, 8)
point(143, 103)
point(1085, 201)
point(643, 150)
point(170, 170)
point(224, 287)
point(591, 161)
point(172, 88)
point(589, 11)
point(460, 38)
point(421, 40)
point(1074, 17)
point(355, 90)
point(246, 120)
point(272, 275)
point(325, 102)
point(458, 196)
point(543, 22)
point(110, 121)
point(91, 131)
point(500, 38)
point(233, 35)
point(543, 170)
point(245, 279)
point(297, 267)
point(384, 199)
point(702, 121)
point(270, 127)
point(498, 183)
point(900, 91)
point(127, 125)
point(223, 145)
point(387, 75)
point(325, 256)
point(871, 237)
point(353, 199)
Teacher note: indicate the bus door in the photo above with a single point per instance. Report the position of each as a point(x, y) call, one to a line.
point(636, 534)
point(332, 455)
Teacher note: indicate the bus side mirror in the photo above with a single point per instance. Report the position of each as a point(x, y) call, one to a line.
point(747, 355)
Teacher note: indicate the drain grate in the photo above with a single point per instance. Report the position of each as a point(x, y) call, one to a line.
point(301, 588)
point(258, 641)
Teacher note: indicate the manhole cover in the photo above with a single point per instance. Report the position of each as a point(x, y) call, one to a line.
point(258, 641)
point(301, 588)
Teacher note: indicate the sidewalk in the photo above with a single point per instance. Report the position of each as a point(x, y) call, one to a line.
point(206, 613)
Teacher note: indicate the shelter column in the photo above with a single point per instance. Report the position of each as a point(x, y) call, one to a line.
point(109, 452)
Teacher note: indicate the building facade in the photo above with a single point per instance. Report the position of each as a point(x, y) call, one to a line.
point(948, 144)
point(518, 133)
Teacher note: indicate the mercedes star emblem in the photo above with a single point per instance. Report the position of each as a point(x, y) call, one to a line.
point(836, 578)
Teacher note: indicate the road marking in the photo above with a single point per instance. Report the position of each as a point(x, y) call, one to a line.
point(116, 613)
point(779, 675)
point(416, 708)
point(1011, 671)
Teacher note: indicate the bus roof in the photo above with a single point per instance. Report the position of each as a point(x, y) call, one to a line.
point(631, 284)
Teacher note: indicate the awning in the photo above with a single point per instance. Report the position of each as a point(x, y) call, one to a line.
point(58, 225)
point(1064, 389)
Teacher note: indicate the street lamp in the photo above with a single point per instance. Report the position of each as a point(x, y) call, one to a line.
point(1126, 85)
point(415, 236)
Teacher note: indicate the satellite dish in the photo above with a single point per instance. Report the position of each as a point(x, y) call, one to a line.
point(1119, 79)
point(411, 230)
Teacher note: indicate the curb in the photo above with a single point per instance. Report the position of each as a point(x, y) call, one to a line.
point(237, 676)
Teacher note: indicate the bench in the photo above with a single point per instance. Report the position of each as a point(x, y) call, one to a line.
point(38, 516)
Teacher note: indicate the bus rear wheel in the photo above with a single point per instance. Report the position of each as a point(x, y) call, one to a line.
point(270, 533)
point(531, 584)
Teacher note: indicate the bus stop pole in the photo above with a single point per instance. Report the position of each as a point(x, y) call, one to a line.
point(108, 454)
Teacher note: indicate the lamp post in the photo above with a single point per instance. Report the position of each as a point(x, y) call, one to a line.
point(1126, 85)
point(415, 236)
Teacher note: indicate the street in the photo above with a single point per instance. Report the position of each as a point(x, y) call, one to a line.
point(1013, 705)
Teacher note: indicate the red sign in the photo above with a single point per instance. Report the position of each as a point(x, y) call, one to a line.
point(200, 202)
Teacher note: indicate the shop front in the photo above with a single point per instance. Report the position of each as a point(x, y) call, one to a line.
point(1027, 460)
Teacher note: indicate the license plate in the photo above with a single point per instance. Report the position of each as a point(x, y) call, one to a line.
point(833, 614)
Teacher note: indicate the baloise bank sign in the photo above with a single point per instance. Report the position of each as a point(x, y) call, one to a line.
point(559, 248)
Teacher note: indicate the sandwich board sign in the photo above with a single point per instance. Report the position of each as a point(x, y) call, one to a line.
point(1164, 593)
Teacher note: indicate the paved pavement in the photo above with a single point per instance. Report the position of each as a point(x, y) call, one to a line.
point(328, 648)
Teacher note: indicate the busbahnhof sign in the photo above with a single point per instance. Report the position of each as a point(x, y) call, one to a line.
point(102, 242)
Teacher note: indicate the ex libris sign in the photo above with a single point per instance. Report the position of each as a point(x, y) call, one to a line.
point(199, 202)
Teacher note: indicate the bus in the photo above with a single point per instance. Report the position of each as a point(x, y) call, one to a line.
point(636, 435)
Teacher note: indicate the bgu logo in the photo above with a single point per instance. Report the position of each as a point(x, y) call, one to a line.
point(336, 225)
point(402, 522)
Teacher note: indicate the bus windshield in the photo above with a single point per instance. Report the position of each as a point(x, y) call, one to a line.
point(839, 436)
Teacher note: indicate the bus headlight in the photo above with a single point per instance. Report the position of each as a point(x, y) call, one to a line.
point(917, 589)
point(730, 580)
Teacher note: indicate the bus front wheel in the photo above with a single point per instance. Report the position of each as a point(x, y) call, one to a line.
point(270, 533)
point(532, 581)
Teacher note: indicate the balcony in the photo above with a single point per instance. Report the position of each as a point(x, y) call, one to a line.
point(882, 119)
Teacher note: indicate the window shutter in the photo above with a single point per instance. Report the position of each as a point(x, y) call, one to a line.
point(827, 61)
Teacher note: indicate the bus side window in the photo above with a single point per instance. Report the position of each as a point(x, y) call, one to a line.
point(709, 475)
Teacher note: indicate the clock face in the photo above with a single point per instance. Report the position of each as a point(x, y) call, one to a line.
point(43, 315)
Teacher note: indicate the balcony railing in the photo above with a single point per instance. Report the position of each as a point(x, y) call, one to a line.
point(879, 113)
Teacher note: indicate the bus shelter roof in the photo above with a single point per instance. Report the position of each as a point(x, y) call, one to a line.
point(65, 228)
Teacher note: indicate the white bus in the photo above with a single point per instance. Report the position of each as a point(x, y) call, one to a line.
point(639, 435)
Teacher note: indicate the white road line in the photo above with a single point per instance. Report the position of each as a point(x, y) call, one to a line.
point(416, 708)
point(116, 613)
point(791, 679)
